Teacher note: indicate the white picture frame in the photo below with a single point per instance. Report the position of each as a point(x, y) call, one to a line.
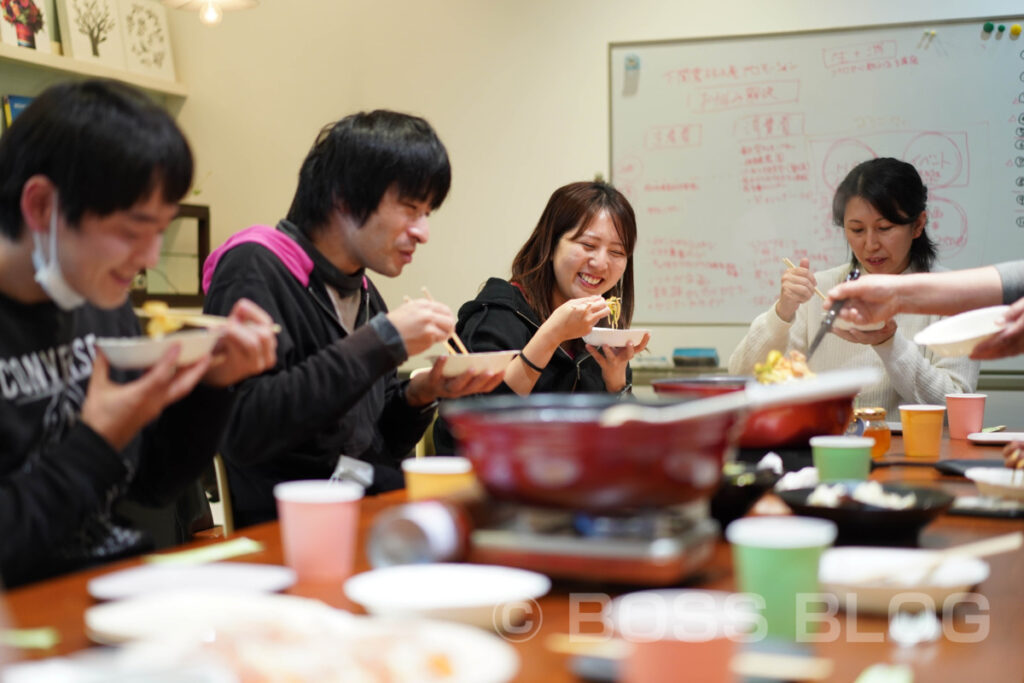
point(147, 39)
point(40, 40)
point(90, 30)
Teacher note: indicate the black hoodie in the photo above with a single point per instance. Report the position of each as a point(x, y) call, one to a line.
point(500, 318)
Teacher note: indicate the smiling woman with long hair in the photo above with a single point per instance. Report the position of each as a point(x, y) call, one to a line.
point(578, 257)
point(881, 208)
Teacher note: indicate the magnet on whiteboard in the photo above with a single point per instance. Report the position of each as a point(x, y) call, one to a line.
point(988, 27)
point(631, 77)
point(1015, 30)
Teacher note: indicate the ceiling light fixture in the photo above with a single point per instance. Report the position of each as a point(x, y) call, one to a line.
point(210, 11)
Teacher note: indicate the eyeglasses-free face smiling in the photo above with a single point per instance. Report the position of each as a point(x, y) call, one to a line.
point(589, 263)
point(880, 245)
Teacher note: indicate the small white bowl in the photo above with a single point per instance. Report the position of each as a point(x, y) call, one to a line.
point(841, 568)
point(467, 593)
point(139, 353)
point(998, 482)
point(606, 336)
point(959, 334)
point(487, 361)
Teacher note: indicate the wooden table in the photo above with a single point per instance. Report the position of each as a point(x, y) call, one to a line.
point(998, 657)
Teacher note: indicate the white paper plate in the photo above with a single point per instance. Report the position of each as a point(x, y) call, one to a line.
point(487, 361)
point(293, 636)
point(192, 612)
point(606, 336)
point(216, 576)
point(841, 568)
point(467, 593)
point(994, 438)
point(959, 334)
point(139, 353)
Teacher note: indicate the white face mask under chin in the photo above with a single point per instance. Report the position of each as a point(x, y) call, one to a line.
point(48, 273)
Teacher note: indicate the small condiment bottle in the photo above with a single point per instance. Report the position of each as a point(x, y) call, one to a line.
point(874, 426)
point(420, 532)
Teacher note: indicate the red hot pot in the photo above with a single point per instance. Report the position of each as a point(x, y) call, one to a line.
point(553, 450)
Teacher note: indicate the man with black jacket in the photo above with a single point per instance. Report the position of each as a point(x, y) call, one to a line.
point(364, 194)
point(91, 174)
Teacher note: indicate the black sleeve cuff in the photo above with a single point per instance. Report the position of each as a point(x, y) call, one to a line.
point(389, 336)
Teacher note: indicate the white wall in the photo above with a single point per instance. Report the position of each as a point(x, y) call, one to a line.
point(517, 90)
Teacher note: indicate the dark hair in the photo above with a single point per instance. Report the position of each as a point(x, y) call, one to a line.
point(896, 191)
point(570, 207)
point(355, 160)
point(104, 145)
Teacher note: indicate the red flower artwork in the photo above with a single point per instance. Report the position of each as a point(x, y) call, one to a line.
point(23, 13)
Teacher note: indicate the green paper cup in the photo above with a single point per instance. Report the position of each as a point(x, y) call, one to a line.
point(842, 457)
point(777, 558)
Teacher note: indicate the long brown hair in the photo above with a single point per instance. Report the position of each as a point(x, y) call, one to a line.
point(570, 207)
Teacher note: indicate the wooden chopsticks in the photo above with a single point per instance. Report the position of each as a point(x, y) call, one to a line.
point(793, 265)
point(455, 337)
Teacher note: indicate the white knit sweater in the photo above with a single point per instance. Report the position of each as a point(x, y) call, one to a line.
point(912, 374)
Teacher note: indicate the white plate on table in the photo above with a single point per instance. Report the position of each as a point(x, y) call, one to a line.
point(215, 576)
point(994, 438)
point(285, 637)
point(998, 482)
point(895, 427)
point(841, 568)
point(468, 593)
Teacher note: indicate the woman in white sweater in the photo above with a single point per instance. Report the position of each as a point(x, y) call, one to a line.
point(880, 206)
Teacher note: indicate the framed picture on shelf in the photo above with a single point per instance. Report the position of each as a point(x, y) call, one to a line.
point(147, 42)
point(26, 23)
point(91, 30)
point(177, 278)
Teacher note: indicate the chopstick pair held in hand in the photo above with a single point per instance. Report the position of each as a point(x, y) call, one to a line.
point(454, 339)
point(817, 291)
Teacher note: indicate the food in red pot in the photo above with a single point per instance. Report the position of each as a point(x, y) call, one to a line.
point(772, 427)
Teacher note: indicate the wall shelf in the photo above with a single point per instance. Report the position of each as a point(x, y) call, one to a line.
point(23, 57)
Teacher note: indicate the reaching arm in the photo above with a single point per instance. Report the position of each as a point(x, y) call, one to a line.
point(877, 298)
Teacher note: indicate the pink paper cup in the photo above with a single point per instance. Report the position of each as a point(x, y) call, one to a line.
point(318, 521)
point(966, 414)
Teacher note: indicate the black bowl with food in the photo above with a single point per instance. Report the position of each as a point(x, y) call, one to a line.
point(882, 514)
point(742, 485)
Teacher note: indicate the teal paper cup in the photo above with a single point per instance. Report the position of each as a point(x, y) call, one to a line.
point(842, 457)
point(776, 558)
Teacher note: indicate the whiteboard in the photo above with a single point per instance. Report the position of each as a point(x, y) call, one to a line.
point(730, 150)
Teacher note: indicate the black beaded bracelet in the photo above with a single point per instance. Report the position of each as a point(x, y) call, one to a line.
point(529, 363)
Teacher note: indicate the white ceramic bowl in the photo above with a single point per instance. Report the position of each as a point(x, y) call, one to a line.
point(959, 334)
point(841, 568)
point(487, 361)
point(606, 336)
point(467, 593)
point(998, 482)
point(139, 353)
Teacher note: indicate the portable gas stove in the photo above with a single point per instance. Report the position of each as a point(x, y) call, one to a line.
point(650, 547)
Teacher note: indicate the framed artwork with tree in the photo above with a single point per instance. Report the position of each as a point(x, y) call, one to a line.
point(26, 23)
point(91, 30)
point(147, 41)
